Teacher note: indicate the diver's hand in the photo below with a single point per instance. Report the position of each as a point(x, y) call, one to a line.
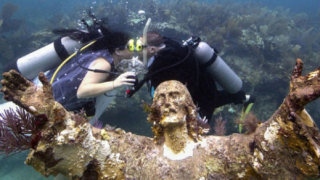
point(127, 78)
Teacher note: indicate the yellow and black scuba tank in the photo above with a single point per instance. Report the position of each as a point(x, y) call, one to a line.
point(45, 58)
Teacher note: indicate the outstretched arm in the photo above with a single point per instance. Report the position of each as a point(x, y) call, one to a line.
point(25, 94)
point(303, 89)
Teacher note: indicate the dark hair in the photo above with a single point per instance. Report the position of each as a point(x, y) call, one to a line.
point(107, 38)
point(111, 41)
point(154, 38)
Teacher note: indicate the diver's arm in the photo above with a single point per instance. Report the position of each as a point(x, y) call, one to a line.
point(94, 83)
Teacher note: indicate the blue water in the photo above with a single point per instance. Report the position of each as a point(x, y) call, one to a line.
point(264, 70)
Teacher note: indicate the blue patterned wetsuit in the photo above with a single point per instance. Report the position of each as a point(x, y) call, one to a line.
point(69, 77)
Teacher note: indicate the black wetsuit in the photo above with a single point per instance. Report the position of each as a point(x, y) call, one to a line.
point(200, 85)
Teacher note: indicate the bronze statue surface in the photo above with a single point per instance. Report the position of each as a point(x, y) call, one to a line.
point(287, 146)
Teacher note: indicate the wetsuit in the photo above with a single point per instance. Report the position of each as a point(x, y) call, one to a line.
point(200, 85)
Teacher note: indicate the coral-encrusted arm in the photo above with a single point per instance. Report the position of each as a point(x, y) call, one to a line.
point(290, 139)
point(25, 94)
point(303, 89)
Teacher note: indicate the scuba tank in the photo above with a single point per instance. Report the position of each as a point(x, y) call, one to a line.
point(208, 59)
point(45, 58)
point(215, 66)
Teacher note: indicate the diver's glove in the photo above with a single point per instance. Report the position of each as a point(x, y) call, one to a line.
point(127, 78)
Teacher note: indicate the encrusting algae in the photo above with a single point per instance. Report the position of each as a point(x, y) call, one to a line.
point(287, 146)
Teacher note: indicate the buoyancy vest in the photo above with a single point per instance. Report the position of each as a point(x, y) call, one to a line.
point(69, 78)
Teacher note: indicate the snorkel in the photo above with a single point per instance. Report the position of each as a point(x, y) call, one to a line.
point(145, 51)
point(134, 64)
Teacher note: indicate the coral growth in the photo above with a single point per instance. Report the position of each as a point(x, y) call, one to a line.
point(251, 122)
point(220, 126)
point(19, 130)
point(80, 118)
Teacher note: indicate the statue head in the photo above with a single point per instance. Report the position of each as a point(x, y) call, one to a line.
point(173, 107)
point(172, 99)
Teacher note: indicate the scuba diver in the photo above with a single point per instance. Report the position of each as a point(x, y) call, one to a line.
point(88, 79)
point(197, 65)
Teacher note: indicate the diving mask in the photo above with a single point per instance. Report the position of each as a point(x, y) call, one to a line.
point(133, 65)
point(135, 47)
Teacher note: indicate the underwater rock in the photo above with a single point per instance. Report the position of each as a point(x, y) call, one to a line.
point(287, 146)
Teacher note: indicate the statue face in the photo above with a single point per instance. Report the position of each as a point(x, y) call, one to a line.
point(171, 100)
point(173, 108)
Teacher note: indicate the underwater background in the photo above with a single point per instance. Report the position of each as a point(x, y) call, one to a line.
point(259, 39)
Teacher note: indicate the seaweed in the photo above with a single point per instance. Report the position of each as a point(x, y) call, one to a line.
point(220, 126)
point(8, 10)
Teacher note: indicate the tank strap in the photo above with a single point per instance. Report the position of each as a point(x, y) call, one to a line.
point(212, 60)
point(60, 49)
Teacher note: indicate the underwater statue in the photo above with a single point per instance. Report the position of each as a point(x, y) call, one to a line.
point(287, 146)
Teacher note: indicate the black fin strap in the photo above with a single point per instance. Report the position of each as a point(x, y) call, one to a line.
point(60, 49)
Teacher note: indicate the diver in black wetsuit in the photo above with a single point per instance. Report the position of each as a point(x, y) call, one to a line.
point(170, 60)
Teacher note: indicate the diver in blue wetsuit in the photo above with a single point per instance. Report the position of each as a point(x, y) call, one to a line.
point(196, 65)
